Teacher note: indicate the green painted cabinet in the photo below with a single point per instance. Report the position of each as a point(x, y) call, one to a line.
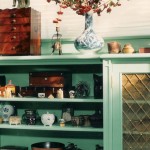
point(118, 103)
point(127, 102)
point(17, 68)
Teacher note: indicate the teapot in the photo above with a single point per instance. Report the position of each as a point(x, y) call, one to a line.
point(48, 119)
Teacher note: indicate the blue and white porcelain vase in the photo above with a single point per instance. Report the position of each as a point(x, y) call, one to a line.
point(89, 42)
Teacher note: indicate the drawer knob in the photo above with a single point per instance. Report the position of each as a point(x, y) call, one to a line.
point(13, 48)
point(14, 37)
point(13, 21)
point(13, 15)
point(14, 28)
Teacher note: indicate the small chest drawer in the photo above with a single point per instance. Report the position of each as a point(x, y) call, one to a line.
point(15, 28)
point(12, 13)
point(14, 37)
point(13, 21)
point(20, 32)
point(14, 48)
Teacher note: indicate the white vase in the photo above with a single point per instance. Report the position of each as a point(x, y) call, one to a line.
point(88, 41)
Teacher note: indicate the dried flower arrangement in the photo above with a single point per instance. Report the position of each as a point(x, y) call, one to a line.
point(81, 7)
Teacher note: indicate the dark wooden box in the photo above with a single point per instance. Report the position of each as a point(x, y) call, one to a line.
point(20, 32)
point(50, 82)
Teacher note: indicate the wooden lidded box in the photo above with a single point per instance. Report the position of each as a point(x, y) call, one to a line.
point(50, 79)
point(50, 82)
point(20, 32)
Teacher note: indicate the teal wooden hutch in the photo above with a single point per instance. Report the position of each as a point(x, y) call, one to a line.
point(113, 67)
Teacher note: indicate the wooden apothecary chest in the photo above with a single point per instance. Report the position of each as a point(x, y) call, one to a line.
point(20, 32)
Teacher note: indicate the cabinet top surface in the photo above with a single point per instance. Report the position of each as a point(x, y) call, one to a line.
point(68, 59)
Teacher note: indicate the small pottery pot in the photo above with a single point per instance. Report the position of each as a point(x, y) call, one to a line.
point(77, 121)
point(47, 119)
point(86, 120)
point(30, 117)
point(128, 49)
point(114, 47)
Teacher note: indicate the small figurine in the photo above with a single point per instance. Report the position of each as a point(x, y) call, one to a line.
point(51, 96)
point(7, 93)
point(21, 3)
point(57, 42)
point(72, 93)
point(66, 115)
point(60, 94)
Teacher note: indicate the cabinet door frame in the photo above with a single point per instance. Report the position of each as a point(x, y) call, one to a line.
point(113, 102)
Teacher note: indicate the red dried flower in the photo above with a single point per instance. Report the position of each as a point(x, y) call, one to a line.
point(55, 21)
point(58, 19)
point(63, 6)
point(83, 6)
point(108, 10)
point(59, 12)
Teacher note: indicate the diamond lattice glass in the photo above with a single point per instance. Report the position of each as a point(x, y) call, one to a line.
point(136, 111)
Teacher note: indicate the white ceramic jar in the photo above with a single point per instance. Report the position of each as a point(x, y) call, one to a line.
point(48, 119)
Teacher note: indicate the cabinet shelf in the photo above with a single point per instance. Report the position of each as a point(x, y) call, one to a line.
point(52, 128)
point(137, 102)
point(33, 99)
point(136, 132)
point(50, 60)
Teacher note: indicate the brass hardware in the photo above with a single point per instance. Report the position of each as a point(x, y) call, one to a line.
point(13, 21)
point(14, 37)
point(13, 48)
point(14, 28)
point(13, 15)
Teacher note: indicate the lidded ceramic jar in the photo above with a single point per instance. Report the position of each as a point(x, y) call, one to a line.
point(48, 119)
point(30, 117)
point(6, 110)
point(128, 48)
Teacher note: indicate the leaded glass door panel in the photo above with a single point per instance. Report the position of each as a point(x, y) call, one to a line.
point(136, 111)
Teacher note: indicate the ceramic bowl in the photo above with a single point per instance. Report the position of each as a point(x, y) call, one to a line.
point(48, 146)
